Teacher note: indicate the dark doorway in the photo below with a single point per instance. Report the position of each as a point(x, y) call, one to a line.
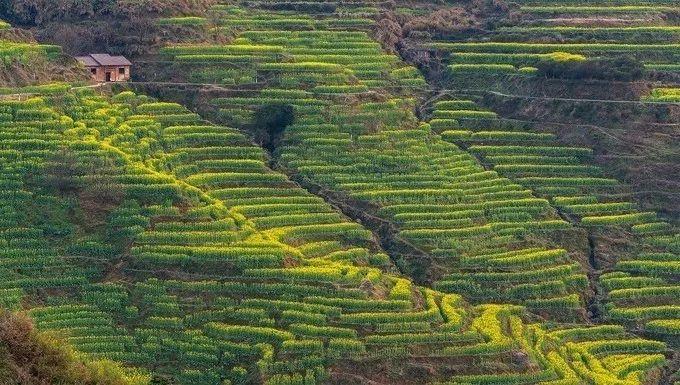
point(108, 76)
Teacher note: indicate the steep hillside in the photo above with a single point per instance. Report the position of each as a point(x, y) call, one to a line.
point(116, 26)
point(360, 193)
point(582, 72)
point(26, 62)
point(167, 244)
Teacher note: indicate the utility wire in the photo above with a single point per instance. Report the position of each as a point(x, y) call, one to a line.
point(217, 86)
point(440, 90)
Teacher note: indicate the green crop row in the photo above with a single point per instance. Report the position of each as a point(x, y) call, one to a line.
point(519, 60)
point(183, 21)
point(597, 9)
point(664, 95)
point(490, 69)
point(539, 48)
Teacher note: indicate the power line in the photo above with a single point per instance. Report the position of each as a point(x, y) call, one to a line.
point(550, 122)
point(216, 86)
point(573, 99)
point(429, 89)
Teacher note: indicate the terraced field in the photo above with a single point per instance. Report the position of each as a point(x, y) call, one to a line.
point(600, 74)
point(357, 242)
point(567, 176)
point(11, 51)
point(14, 50)
point(640, 287)
point(215, 290)
point(377, 152)
point(548, 32)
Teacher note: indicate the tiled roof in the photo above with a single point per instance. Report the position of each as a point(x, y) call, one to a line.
point(103, 59)
point(87, 61)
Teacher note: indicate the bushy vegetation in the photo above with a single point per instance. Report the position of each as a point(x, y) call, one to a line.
point(30, 357)
point(664, 95)
point(44, 11)
point(618, 68)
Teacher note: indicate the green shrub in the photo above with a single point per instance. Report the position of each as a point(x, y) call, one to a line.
point(183, 21)
point(623, 68)
point(483, 68)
